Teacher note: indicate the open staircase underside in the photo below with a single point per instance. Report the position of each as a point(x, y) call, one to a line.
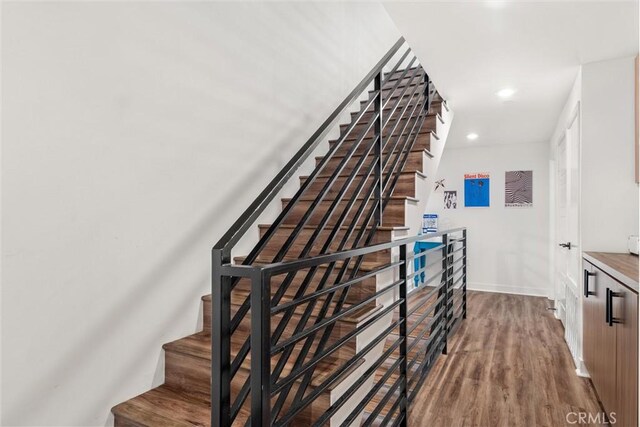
point(184, 398)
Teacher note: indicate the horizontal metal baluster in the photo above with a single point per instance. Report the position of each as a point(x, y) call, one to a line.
point(267, 236)
point(331, 320)
point(370, 395)
point(243, 310)
point(277, 387)
point(404, 91)
point(297, 407)
point(304, 387)
point(392, 410)
point(280, 329)
point(383, 402)
point(338, 307)
point(339, 222)
point(239, 228)
point(304, 286)
point(324, 291)
point(284, 358)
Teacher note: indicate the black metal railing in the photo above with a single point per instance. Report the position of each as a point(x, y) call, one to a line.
point(426, 299)
point(286, 292)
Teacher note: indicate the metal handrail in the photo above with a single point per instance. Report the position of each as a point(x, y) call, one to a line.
point(390, 154)
point(442, 309)
point(251, 214)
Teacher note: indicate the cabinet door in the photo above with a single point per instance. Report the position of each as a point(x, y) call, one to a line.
point(602, 341)
point(625, 313)
point(590, 318)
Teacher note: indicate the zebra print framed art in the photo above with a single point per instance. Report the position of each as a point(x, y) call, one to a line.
point(518, 189)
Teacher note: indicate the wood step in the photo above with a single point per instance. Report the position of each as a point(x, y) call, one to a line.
point(188, 360)
point(164, 406)
point(403, 129)
point(365, 266)
point(188, 363)
point(282, 234)
point(394, 213)
point(386, 112)
point(395, 75)
point(406, 185)
point(436, 104)
point(429, 124)
point(417, 160)
point(421, 142)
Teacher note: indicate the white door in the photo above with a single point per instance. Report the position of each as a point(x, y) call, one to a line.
point(568, 256)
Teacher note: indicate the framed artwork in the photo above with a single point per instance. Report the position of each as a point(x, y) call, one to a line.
point(476, 190)
point(450, 199)
point(518, 188)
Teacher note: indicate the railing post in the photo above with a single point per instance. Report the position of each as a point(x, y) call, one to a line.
point(464, 273)
point(427, 94)
point(403, 334)
point(260, 349)
point(220, 341)
point(378, 148)
point(445, 302)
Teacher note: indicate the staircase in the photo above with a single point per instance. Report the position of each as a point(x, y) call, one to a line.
point(320, 325)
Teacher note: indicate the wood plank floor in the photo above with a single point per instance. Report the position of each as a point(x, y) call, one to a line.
point(508, 365)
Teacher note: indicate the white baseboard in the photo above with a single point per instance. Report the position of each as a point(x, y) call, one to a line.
point(506, 289)
point(581, 369)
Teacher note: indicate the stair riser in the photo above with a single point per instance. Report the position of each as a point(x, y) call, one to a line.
point(276, 243)
point(192, 374)
point(354, 135)
point(406, 185)
point(415, 161)
point(340, 329)
point(385, 113)
point(357, 293)
point(394, 214)
point(422, 141)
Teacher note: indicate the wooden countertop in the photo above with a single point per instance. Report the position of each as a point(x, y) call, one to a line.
point(621, 266)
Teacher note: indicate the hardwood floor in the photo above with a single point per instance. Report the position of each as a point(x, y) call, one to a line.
point(508, 365)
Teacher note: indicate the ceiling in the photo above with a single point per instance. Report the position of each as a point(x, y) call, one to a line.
point(473, 50)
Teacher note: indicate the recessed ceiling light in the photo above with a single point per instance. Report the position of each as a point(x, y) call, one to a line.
point(472, 136)
point(506, 93)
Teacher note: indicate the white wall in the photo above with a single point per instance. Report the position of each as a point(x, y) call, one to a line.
point(134, 134)
point(507, 247)
point(609, 202)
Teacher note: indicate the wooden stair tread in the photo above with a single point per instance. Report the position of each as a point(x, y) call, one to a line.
point(164, 406)
point(346, 174)
point(364, 266)
point(341, 155)
point(199, 345)
point(312, 198)
point(344, 227)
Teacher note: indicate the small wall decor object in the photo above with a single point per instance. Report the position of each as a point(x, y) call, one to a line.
point(518, 189)
point(429, 223)
point(451, 200)
point(476, 190)
point(439, 184)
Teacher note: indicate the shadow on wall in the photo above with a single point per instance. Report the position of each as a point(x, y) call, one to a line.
point(122, 312)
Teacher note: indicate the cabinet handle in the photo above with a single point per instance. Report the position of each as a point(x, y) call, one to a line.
point(609, 307)
point(586, 290)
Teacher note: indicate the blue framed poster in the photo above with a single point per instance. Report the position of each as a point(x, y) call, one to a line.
point(476, 190)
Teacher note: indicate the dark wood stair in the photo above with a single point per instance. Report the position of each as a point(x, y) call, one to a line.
point(184, 398)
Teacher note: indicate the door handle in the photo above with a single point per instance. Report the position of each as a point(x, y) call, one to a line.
point(586, 290)
point(565, 245)
point(609, 307)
